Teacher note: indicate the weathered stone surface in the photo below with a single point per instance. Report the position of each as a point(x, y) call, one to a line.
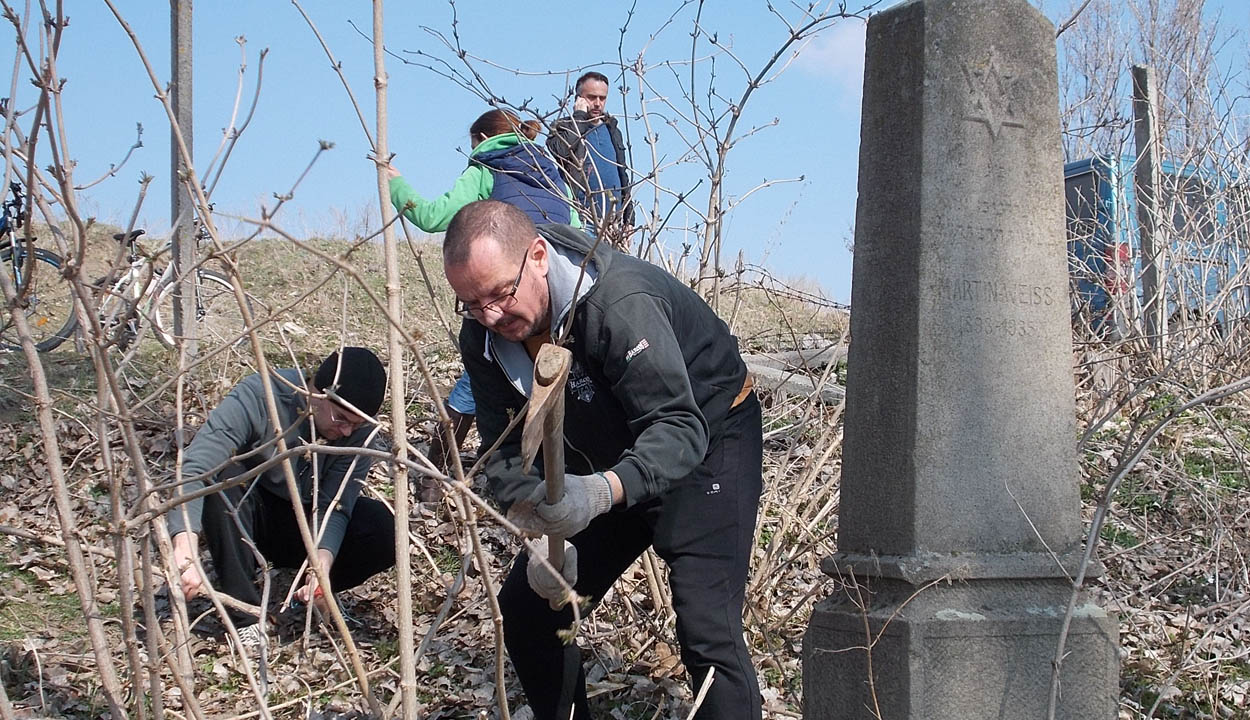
point(959, 502)
point(976, 651)
point(791, 382)
point(798, 372)
point(808, 360)
point(960, 359)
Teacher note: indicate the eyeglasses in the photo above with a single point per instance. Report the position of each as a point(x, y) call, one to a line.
point(501, 303)
point(339, 416)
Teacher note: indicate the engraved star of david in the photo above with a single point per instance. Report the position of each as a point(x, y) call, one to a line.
point(989, 91)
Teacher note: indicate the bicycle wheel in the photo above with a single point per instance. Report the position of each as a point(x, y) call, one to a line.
point(218, 318)
point(47, 300)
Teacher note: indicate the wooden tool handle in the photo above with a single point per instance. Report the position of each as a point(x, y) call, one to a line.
point(553, 472)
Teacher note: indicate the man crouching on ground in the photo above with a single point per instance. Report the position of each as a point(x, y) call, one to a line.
point(359, 533)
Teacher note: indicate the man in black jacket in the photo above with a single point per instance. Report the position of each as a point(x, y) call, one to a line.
point(662, 434)
point(591, 154)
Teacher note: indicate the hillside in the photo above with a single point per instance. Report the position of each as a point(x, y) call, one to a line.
point(1174, 546)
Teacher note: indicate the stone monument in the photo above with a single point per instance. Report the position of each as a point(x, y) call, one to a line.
point(960, 512)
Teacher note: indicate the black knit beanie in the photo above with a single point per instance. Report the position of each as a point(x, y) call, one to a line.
point(362, 379)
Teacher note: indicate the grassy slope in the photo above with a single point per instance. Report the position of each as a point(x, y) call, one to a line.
point(308, 307)
point(1173, 556)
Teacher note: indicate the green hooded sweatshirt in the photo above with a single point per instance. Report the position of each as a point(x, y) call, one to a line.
point(475, 183)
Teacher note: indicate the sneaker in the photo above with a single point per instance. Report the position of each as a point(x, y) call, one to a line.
point(252, 640)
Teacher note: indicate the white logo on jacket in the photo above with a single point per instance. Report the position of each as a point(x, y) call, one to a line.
point(580, 385)
point(633, 352)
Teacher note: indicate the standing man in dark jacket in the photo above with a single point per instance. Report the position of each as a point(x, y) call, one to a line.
point(663, 444)
point(591, 154)
point(357, 534)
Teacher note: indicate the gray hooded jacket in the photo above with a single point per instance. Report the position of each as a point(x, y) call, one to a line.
point(241, 425)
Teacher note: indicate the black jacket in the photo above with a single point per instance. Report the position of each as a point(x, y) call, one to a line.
point(654, 374)
point(567, 145)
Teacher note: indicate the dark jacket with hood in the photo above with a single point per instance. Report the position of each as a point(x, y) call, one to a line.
point(654, 373)
point(567, 144)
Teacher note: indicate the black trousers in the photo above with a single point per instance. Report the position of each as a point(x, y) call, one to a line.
point(269, 520)
point(702, 527)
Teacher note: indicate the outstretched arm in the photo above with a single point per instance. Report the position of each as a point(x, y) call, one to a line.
point(433, 215)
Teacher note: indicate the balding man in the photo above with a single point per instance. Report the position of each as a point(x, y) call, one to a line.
point(663, 444)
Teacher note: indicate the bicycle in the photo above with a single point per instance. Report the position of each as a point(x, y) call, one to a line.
point(42, 293)
point(142, 295)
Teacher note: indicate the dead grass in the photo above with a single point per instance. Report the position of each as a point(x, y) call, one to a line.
point(1174, 550)
point(1175, 545)
point(631, 646)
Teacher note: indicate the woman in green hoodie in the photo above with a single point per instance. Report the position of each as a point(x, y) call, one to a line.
point(504, 164)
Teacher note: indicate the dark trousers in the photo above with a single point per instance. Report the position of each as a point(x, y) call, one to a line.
point(702, 527)
point(269, 520)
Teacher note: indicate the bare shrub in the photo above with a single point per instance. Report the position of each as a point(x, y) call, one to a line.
point(1164, 423)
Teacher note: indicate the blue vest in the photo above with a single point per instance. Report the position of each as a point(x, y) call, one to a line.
point(526, 178)
point(602, 172)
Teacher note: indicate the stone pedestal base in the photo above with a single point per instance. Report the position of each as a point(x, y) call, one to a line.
point(967, 650)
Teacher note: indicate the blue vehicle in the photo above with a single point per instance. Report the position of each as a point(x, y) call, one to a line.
point(1202, 270)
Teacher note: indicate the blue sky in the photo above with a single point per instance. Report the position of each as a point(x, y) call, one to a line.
point(798, 230)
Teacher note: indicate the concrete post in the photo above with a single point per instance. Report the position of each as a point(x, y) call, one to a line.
point(182, 230)
point(960, 511)
point(1146, 186)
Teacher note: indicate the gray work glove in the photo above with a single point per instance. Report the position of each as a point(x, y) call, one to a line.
point(543, 581)
point(585, 498)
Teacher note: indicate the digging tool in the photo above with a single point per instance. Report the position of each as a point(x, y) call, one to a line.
point(544, 425)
